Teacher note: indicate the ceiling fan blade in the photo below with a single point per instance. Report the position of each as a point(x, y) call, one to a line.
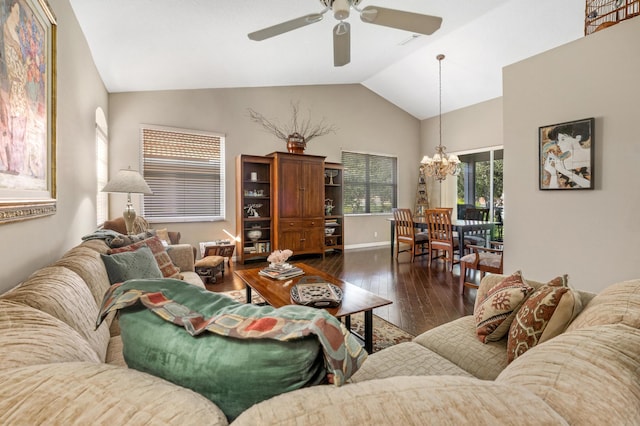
point(408, 21)
point(341, 44)
point(287, 26)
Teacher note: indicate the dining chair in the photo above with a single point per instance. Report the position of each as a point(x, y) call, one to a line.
point(482, 259)
point(475, 238)
point(441, 236)
point(405, 230)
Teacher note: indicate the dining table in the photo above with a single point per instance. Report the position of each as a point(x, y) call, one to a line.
point(459, 226)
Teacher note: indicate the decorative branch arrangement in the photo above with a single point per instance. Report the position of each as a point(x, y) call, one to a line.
point(298, 128)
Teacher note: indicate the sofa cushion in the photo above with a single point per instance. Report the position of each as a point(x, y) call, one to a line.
point(168, 269)
point(415, 400)
point(130, 265)
point(495, 312)
point(406, 359)
point(545, 314)
point(29, 336)
point(457, 342)
point(589, 376)
point(60, 292)
point(97, 394)
point(618, 303)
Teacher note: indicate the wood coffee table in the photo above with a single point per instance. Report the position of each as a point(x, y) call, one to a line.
point(354, 299)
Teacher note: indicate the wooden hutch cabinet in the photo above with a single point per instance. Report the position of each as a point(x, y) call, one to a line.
point(298, 202)
point(281, 203)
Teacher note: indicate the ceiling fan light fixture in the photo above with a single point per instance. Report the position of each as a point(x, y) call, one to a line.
point(341, 9)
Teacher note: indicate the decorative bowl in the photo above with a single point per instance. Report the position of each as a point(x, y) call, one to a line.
point(254, 234)
point(329, 231)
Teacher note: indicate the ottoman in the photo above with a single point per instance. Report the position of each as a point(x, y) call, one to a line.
point(208, 267)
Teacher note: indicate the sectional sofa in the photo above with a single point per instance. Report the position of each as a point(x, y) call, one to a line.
point(57, 368)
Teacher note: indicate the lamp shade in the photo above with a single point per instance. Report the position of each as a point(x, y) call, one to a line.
point(130, 181)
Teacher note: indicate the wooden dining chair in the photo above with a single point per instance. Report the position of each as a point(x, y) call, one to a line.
point(441, 238)
point(482, 259)
point(405, 229)
point(475, 238)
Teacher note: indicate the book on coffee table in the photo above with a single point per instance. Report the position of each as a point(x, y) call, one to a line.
point(281, 274)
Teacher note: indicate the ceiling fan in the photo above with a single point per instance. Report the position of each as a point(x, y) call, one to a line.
point(408, 21)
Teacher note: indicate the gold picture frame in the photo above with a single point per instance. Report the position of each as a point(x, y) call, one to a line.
point(27, 110)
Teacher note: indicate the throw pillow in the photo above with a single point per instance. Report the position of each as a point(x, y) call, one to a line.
point(545, 314)
point(169, 270)
point(130, 265)
point(163, 234)
point(495, 312)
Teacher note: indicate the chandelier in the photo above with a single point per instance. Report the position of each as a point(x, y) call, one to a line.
point(441, 164)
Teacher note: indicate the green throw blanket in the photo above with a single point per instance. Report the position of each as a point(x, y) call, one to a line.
point(232, 353)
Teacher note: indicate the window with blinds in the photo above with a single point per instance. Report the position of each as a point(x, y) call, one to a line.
point(370, 183)
point(185, 171)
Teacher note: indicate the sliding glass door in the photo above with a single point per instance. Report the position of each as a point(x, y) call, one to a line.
point(480, 184)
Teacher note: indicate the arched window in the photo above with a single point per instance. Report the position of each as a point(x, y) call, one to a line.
point(102, 167)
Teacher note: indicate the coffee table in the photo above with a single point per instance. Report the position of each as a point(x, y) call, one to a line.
point(354, 299)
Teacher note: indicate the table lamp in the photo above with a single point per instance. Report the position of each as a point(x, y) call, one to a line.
point(129, 181)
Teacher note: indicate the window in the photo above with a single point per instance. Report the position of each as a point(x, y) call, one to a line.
point(185, 171)
point(370, 183)
point(102, 169)
point(480, 182)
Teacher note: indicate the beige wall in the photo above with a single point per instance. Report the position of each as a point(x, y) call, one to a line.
point(34, 243)
point(590, 234)
point(365, 122)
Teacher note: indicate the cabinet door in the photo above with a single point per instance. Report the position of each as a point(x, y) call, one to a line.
point(313, 177)
point(291, 188)
point(300, 236)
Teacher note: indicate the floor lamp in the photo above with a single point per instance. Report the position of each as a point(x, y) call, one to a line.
point(130, 182)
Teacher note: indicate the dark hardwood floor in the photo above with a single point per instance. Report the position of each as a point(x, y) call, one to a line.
point(423, 298)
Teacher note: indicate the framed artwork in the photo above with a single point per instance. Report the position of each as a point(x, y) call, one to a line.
point(566, 155)
point(27, 110)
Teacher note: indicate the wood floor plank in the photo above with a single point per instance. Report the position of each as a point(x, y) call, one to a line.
point(423, 297)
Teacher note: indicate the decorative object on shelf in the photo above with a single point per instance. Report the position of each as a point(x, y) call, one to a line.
point(442, 164)
point(331, 174)
point(328, 206)
point(254, 193)
point(128, 181)
point(297, 133)
point(252, 210)
point(279, 257)
point(254, 234)
point(254, 176)
point(329, 231)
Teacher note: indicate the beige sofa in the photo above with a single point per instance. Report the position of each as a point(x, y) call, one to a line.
point(56, 368)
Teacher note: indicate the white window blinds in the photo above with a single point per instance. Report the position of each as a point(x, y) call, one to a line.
point(185, 171)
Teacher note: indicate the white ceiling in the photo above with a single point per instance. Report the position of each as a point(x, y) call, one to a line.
point(141, 45)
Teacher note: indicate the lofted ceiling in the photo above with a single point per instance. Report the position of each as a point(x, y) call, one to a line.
point(142, 45)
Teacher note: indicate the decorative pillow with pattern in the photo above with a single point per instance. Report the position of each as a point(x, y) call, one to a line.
point(168, 269)
point(545, 314)
point(495, 312)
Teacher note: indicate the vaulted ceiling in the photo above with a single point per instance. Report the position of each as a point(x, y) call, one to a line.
point(141, 45)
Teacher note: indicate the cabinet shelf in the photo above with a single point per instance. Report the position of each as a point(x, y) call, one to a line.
point(254, 175)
